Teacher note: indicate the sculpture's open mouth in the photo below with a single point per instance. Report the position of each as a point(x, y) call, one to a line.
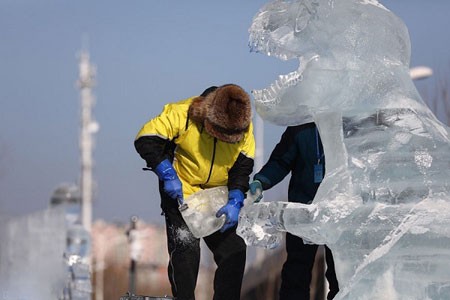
point(271, 95)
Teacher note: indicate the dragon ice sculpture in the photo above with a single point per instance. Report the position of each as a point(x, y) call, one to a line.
point(384, 204)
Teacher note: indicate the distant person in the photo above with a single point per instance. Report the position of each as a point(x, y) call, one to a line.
point(300, 153)
point(199, 143)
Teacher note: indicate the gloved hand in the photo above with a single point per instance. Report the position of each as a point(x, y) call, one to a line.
point(231, 209)
point(256, 190)
point(172, 184)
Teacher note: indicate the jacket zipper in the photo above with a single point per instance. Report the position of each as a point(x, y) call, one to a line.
point(212, 161)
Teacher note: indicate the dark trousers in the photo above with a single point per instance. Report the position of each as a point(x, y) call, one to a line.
point(229, 251)
point(297, 270)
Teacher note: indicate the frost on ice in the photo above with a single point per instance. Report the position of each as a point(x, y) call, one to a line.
point(200, 213)
point(384, 204)
point(44, 255)
point(31, 263)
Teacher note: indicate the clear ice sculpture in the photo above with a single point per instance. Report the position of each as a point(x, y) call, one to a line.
point(77, 256)
point(31, 255)
point(383, 207)
point(202, 206)
point(44, 255)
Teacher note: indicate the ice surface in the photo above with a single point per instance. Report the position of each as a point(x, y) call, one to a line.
point(384, 204)
point(31, 256)
point(43, 256)
point(77, 253)
point(76, 257)
point(200, 216)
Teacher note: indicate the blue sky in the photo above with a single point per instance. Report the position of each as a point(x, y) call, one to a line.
point(147, 53)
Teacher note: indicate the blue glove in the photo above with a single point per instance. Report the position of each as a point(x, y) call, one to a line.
point(231, 209)
point(256, 190)
point(172, 184)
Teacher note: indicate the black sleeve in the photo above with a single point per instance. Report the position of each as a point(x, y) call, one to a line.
point(154, 149)
point(239, 174)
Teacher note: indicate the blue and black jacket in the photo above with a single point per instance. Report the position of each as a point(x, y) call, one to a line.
point(299, 149)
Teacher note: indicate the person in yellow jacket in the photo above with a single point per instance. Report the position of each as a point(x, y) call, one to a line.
point(198, 143)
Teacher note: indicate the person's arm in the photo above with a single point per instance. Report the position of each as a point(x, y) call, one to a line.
point(153, 149)
point(238, 177)
point(239, 174)
point(154, 144)
point(281, 160)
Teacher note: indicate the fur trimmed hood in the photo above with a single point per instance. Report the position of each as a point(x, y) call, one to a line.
point(225, 112)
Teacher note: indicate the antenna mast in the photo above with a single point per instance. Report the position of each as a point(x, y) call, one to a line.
point(86, 82)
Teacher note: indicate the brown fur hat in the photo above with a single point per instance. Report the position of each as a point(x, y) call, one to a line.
point(225, 112)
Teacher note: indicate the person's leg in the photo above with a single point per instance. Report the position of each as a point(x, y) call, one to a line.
point(184, 256)
point(330, 274)
point(296, 273)
point(229, 252)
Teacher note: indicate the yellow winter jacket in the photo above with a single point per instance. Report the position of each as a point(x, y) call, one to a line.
point(201, 161)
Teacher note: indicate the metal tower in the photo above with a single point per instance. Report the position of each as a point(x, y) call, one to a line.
point(85, 83)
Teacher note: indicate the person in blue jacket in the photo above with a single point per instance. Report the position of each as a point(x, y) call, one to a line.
point(299, 152)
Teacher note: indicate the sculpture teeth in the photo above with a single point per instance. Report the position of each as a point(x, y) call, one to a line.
point(288, 80)
point(269, 96)
point(265, 96)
